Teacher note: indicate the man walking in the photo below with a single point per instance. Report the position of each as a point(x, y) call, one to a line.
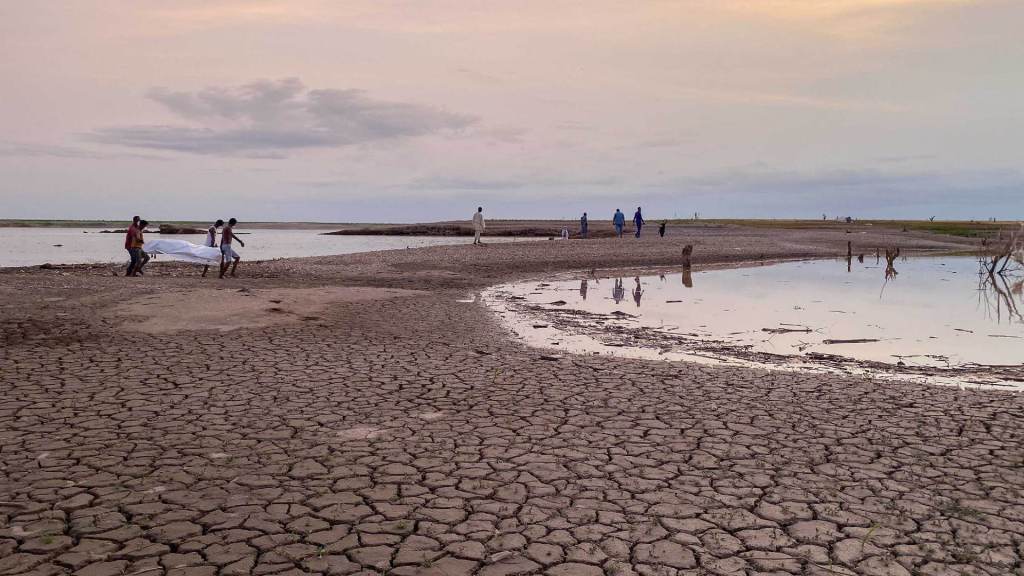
point(478, 226)
point(619, 221)
point(638, 221)
point(211, 241)
point(138, 255)
point(227, 253)
point(661, 228)
point(129, 237)
point(583, 225)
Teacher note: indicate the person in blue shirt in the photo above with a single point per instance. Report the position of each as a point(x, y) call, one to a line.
point(619, 220)
point(583, 225)
point(638, 221)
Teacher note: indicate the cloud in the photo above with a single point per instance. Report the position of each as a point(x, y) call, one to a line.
point(858, 191)
point(37, 150)
point(265, 118)
point(462, 183)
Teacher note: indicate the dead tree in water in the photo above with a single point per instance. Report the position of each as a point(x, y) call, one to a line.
point(687, 252)
point(998, 257)
point(891, 254)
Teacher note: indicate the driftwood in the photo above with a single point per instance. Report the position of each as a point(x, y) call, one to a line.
point(852, 341)
point(785, 330)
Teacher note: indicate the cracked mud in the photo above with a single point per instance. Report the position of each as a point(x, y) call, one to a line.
point(407, 435)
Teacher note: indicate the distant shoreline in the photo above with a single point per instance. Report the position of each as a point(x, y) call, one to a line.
point(544, 228)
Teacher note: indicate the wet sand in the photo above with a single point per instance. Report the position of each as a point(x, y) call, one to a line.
point(407, 434)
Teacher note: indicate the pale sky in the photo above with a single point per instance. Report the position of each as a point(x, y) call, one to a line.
point(422, 110)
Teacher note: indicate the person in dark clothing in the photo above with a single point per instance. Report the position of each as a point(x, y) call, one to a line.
point(638, 221)
point(129, 237)
point(661, 228)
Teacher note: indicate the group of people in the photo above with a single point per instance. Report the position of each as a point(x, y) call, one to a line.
point(135, 242)
point(618, 221)
point(228, 256)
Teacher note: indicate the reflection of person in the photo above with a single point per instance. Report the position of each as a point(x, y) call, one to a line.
point(227, 253)
point(583, 288)
point(638, 221)
point(478, 225)
point(618, 291)
point(687, 279)
point(619, 221)
point(638, 292)
point(583, 225)
point(211, 240)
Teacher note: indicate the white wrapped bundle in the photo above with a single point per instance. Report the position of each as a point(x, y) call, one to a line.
point(185, 251)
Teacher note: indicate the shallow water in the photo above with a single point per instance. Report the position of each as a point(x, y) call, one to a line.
point(32, 246)
point(933, 312)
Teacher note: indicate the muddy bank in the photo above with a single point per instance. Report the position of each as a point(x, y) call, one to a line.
point(409, 435)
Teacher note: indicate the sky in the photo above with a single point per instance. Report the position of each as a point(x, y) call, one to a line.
point(380, 111)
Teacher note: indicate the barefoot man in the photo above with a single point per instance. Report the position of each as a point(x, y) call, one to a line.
point(478, 225)
point(226, 251)
point(211, 240)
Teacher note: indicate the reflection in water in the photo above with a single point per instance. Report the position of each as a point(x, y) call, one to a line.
point(941, 312)
point(687, 278)
point(638, 292)
point(583, 288)
point(618, 291)
point(1000, 294)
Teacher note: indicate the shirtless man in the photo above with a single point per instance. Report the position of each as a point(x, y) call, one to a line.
point(227, 253)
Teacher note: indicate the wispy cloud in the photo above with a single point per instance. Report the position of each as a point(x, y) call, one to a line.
point(41, 150)
point(265, 118)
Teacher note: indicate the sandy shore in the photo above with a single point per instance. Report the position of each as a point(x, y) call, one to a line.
point(374, 423)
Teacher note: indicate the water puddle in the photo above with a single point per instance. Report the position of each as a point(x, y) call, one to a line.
point(931, 318)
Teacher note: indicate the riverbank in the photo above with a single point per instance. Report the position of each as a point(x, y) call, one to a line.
point(335, 429)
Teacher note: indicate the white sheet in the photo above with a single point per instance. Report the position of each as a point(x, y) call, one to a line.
point(185, 251)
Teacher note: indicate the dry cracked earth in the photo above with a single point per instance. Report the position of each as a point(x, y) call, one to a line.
point(409, 435)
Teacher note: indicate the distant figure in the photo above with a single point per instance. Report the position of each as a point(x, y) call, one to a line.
point(128, 238)
point(638, 292)
point(138, 255)
point(211, 240)
point(619, 221)
point(638, 221)
point(618, 291)
point(227, 253)
point(565, 232)
point(583, 226)
point(478, 226)
point(583, 288)
point(661, 228)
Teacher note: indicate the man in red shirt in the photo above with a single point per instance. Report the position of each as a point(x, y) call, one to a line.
point(129, 239)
